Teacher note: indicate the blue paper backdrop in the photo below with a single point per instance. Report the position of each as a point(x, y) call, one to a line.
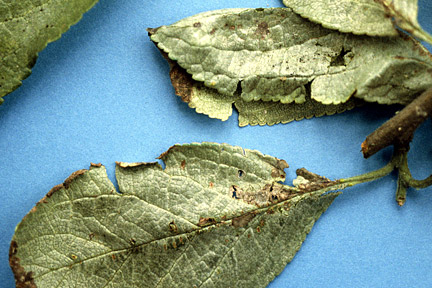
point(102, 94)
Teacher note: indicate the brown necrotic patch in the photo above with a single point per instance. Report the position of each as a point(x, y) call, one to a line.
point(242, 221)
point(23, 279)
point(262, 30)
point(268, 194)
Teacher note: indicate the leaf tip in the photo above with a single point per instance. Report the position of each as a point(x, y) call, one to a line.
point(152, 31)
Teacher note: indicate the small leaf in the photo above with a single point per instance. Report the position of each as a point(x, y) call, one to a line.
point(270, 113)
point(370, 17)
point(405, 15)
point(348, 16)
point(26, 27)
point(209, 102)
point(274, 55)
point(215, 213)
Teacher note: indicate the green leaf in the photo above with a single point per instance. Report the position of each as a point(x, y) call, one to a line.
point(208, 101)
point(210, 217)
point(370, 17)
point(405, 15)
point(348, 16)
point(274, 55)
point(26, 27)
point(270, 113)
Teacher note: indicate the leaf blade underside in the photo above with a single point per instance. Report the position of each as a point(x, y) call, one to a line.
point(216, 105)
point(173, 227)
point(347, 16)
point(275, 55)
point(369, 17)
point(26, 27)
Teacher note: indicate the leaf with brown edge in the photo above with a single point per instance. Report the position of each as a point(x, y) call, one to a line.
point(168, 227)
point(209, 102)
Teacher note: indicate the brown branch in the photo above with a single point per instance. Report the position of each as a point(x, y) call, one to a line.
point(399, 130)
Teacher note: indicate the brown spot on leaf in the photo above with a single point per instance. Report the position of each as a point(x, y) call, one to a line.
point(183, 164)
point(91, 236)
point(242, 221)
point(197, 25)
point(206, 221)
point(270, 193)
point(180, 79)
point(211, 185)
point(278, 170)
point(113, 257)
point(313, 181)
point(262, 30)
point(174, 244)
point(270, 211)
point(258, 229)
point(182, 82)
point(23, 279)
point(310, 175)
point(173, 227)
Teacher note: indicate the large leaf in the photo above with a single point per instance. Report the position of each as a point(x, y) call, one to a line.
point(213, 215)
point(26, 27)
point(370, 17)
point(274, 55)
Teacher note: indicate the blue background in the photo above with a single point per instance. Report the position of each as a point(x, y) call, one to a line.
point(102, 94)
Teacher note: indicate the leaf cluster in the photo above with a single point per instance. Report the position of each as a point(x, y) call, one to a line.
point(276, 66)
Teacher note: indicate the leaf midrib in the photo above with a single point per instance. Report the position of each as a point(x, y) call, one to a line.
point(228, 221)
